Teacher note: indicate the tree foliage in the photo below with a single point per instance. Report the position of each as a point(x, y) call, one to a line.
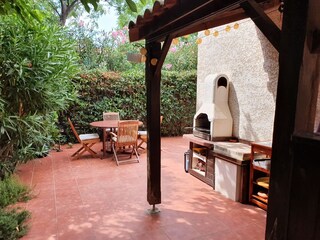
point(22, 8)
point(36, 63)
point(29, 10)
point(127, 13)
point(65, 8)
point(104, 50)
point(109, 50)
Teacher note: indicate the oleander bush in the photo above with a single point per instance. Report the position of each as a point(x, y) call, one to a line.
point(36, 65)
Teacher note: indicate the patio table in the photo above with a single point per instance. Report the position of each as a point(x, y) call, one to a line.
point(104, 125)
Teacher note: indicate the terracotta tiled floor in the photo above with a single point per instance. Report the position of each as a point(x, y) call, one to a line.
point(95, 199)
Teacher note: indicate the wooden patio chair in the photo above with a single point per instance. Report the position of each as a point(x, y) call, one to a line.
point(142, 136)
point(110, 116)
point(126, 136)
point(87, 141)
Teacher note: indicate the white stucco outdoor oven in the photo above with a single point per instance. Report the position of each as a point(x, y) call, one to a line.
point(213, 120)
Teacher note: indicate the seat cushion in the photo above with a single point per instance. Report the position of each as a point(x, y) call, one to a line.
point(142, 133)
point(88, 136)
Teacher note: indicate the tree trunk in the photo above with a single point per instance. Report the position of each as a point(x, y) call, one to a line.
point(66, 9)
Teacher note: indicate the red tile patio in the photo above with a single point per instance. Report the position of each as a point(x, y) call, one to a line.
point(96, 199)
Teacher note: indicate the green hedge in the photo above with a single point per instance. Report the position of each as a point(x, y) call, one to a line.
point(126, 93)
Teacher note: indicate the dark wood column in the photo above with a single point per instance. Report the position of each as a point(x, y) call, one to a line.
point(305, 191)
point(155, 58)
point(153, 124)
point(290, 60)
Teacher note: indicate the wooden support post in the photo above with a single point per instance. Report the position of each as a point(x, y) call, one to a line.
point(153, 79)
point(290, 60)
point(153, 124)
point(304, 196)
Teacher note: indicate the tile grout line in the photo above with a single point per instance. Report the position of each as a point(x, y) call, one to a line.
point(31, 183)
point(86, 211)
point(81, 197)
point(55, 197)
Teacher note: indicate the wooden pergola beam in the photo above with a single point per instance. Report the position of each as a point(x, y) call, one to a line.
point(180, 15)
point(164, 52)
point(215, 21)
point(191, 17)
point(290, 61)
point(263, 22)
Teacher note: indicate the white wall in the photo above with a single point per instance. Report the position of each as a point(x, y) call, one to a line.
point(251, 63)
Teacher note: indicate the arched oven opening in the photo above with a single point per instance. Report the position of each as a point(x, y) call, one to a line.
point(202, 126)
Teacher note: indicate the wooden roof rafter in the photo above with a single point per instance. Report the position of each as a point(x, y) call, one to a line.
point(178, 18)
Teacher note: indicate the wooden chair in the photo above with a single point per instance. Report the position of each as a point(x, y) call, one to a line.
point(142, 136)
point(110, 116)
point(126, 136)
point(87, 141)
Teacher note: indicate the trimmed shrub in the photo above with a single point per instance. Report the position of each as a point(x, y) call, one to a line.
point(126, 93)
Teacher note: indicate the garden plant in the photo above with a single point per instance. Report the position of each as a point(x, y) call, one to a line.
point(37, 63)
point(12, 219)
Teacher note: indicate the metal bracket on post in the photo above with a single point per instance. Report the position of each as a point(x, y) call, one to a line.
point(153, 210)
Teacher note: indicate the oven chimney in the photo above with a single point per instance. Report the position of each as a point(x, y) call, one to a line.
point(213, 119)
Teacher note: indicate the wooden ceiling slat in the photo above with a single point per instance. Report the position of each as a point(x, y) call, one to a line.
point(211, 8)
point(213, 22)
point(176, 17)
point(173, 14)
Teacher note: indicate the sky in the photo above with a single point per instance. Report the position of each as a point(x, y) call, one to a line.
point(108, 21)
